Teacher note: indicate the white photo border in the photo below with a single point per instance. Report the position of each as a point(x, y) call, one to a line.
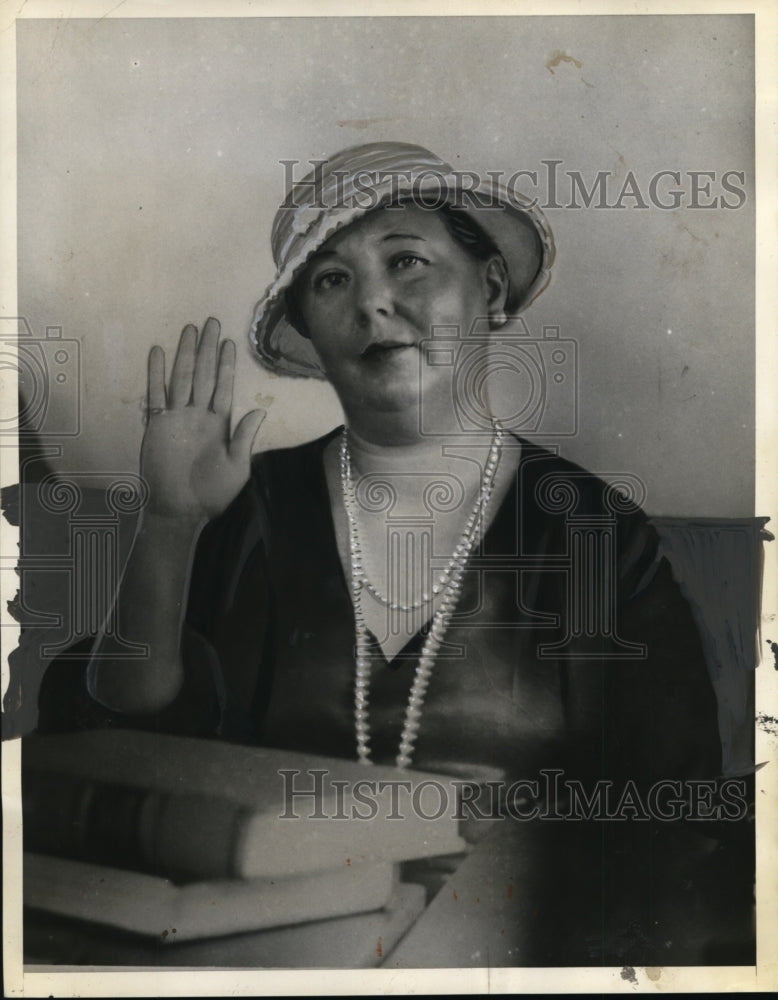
point(762, 977)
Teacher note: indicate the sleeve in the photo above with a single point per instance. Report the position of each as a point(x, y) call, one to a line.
point(223, 634)
point(65, 704)
point(228, 630)
point(639, 694)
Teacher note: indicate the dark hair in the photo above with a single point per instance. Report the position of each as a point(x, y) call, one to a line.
point(462, 228)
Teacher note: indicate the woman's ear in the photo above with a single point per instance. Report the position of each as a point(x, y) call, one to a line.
point(497, 288)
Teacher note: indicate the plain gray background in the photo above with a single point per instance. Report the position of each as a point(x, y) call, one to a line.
point(149, 176)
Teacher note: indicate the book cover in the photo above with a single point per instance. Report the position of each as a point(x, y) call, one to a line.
point(157, 908)
point(360, 941)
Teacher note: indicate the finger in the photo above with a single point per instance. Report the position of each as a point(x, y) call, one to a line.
point(225, 377)
point(183, 368)
point(156, 390)
point(205, 365)
point(245, 432)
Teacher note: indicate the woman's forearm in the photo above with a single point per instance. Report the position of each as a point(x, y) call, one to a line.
point(194, 468)
point(149, 609)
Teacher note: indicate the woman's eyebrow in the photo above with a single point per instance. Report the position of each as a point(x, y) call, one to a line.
point(403, 236)
point(389, 236)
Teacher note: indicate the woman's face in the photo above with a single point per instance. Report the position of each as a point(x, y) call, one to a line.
point(373, 293)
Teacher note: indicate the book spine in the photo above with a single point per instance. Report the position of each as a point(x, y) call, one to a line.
point(179, 834)
point(139, 829)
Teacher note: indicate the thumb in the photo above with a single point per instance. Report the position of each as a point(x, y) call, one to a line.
point(246, 432)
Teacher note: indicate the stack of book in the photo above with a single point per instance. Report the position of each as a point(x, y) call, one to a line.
point(142, 848)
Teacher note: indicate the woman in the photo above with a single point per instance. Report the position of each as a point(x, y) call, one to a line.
point(403, 589)
point(363, 286)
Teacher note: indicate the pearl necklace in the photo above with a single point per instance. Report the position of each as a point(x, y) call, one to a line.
point(449, 586)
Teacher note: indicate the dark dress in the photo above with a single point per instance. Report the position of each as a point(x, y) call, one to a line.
point(270, 619)
point(571, 649)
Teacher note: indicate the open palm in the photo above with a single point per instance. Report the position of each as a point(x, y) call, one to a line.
point(192, 466)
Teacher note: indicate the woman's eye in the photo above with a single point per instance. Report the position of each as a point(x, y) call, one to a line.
point(330, 279)
point(408, 260)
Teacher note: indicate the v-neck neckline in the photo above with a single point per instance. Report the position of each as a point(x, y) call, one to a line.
point(333, 553)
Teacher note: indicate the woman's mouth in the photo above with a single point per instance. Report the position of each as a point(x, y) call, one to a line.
point(384, 349)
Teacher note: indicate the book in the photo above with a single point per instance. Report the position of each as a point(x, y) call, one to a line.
point(158, 908)
point(360, 941)
point(179, 806)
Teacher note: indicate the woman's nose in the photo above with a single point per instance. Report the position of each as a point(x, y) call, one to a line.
point(374, 297)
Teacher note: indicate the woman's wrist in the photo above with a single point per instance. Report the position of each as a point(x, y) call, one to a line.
point(170, 526)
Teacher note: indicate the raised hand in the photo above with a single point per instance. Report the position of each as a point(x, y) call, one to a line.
point(191, 464)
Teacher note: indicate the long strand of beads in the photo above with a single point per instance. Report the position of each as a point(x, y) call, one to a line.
point(361, 692)
point(359, 571)
point(450, 585)
point(362, 646)
point(442, 617)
